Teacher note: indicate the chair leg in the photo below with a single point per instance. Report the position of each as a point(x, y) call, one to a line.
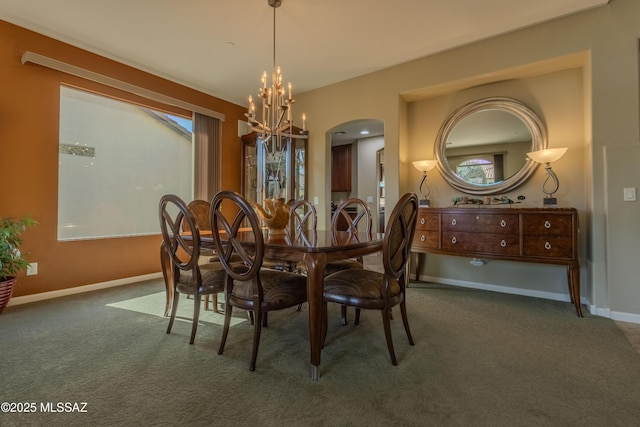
point(257, 329)
point(196, 317)
point(405, 321)
point(214, 300)
point(225, 328)
point(174, 309)
point(215, 303)
point(386, 321)
point(356, 321)
point(323, 323)
point(343, 311)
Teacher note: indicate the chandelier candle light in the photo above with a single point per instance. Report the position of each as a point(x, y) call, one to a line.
point(276, 110)
point(424, 166)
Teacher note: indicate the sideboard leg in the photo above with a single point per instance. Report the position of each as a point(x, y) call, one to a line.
point(419, 260)
point(574, 288)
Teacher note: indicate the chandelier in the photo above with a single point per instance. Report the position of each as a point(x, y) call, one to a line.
point(275, 120)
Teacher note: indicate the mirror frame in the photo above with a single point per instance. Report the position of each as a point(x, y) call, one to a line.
point(529, 118)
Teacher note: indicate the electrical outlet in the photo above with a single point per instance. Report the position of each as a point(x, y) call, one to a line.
point(32, 270)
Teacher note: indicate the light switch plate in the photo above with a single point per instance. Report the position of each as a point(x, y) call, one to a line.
point(630, 194)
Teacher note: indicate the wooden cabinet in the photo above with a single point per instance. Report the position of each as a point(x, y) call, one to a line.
point(341, 168)
point(280, 173)
point(546, 236)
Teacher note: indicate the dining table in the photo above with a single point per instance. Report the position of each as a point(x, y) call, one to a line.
point(314, 248)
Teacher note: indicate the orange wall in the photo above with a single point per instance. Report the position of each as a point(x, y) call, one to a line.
point(29, 109)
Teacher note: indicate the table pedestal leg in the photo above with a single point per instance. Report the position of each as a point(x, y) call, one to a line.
point(315, 263)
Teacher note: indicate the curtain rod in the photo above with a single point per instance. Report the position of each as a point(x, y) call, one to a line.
point(54, 64)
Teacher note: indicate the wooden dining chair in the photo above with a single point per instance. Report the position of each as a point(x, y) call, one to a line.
point(200, 210)
point(188, 275)
point(355, 215)
point(303, 216)
point(251, 287)
point(368, 289)
point(304, 221)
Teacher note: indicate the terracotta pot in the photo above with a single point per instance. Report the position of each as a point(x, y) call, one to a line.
point(6, 289)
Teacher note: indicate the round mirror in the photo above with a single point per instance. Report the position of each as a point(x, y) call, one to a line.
point(482, 147)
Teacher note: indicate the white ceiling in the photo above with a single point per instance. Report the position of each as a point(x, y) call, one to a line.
point(222, 47)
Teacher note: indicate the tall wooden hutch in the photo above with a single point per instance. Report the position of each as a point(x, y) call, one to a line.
point(275, 173)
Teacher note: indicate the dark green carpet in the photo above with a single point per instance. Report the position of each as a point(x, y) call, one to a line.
point(480, 358)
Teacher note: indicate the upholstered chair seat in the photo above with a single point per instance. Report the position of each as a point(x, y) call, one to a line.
point(212, 275)
point(362, 288)
point(280, 289)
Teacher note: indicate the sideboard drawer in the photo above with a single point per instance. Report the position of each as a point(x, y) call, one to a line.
point(426, 239)
point(486, 223)
point(427, 221)
point(547, 224)
point(488, 243)
point(548, 246)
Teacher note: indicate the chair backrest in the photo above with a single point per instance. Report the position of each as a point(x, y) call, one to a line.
point(303, 215)
point(226, 235)
point(362, 213)
point(396, 246)
point(175, 216)
point(200, 210)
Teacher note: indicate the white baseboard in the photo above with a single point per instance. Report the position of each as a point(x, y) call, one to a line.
point(503, 289)
point(625, 317)
point(81, 289)
point(596, 311)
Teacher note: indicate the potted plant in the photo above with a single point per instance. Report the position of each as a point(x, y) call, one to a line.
point(11, 260)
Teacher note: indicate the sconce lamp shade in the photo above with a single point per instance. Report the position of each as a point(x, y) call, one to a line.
point(425, 165)
point(548, 155)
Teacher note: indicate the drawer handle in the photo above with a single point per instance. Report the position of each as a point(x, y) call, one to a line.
point(547, 224)
point(503, 243)
point(422, 221)
point(503, 223)
point(454, 240)
point(422, 238)
point(453, 221)
point(547, 245)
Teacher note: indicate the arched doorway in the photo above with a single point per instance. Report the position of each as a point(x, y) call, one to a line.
point(362, 168)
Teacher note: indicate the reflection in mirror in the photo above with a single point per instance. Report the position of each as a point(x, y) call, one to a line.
point(482, 147)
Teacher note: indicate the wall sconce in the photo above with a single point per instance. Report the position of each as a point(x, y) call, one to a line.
point(424, 166)
point(548, 156)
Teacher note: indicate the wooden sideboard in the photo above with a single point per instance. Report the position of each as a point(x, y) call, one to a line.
point(547, 236)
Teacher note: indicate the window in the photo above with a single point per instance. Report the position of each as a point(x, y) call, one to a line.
point(116, 160)
point(476, 171)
